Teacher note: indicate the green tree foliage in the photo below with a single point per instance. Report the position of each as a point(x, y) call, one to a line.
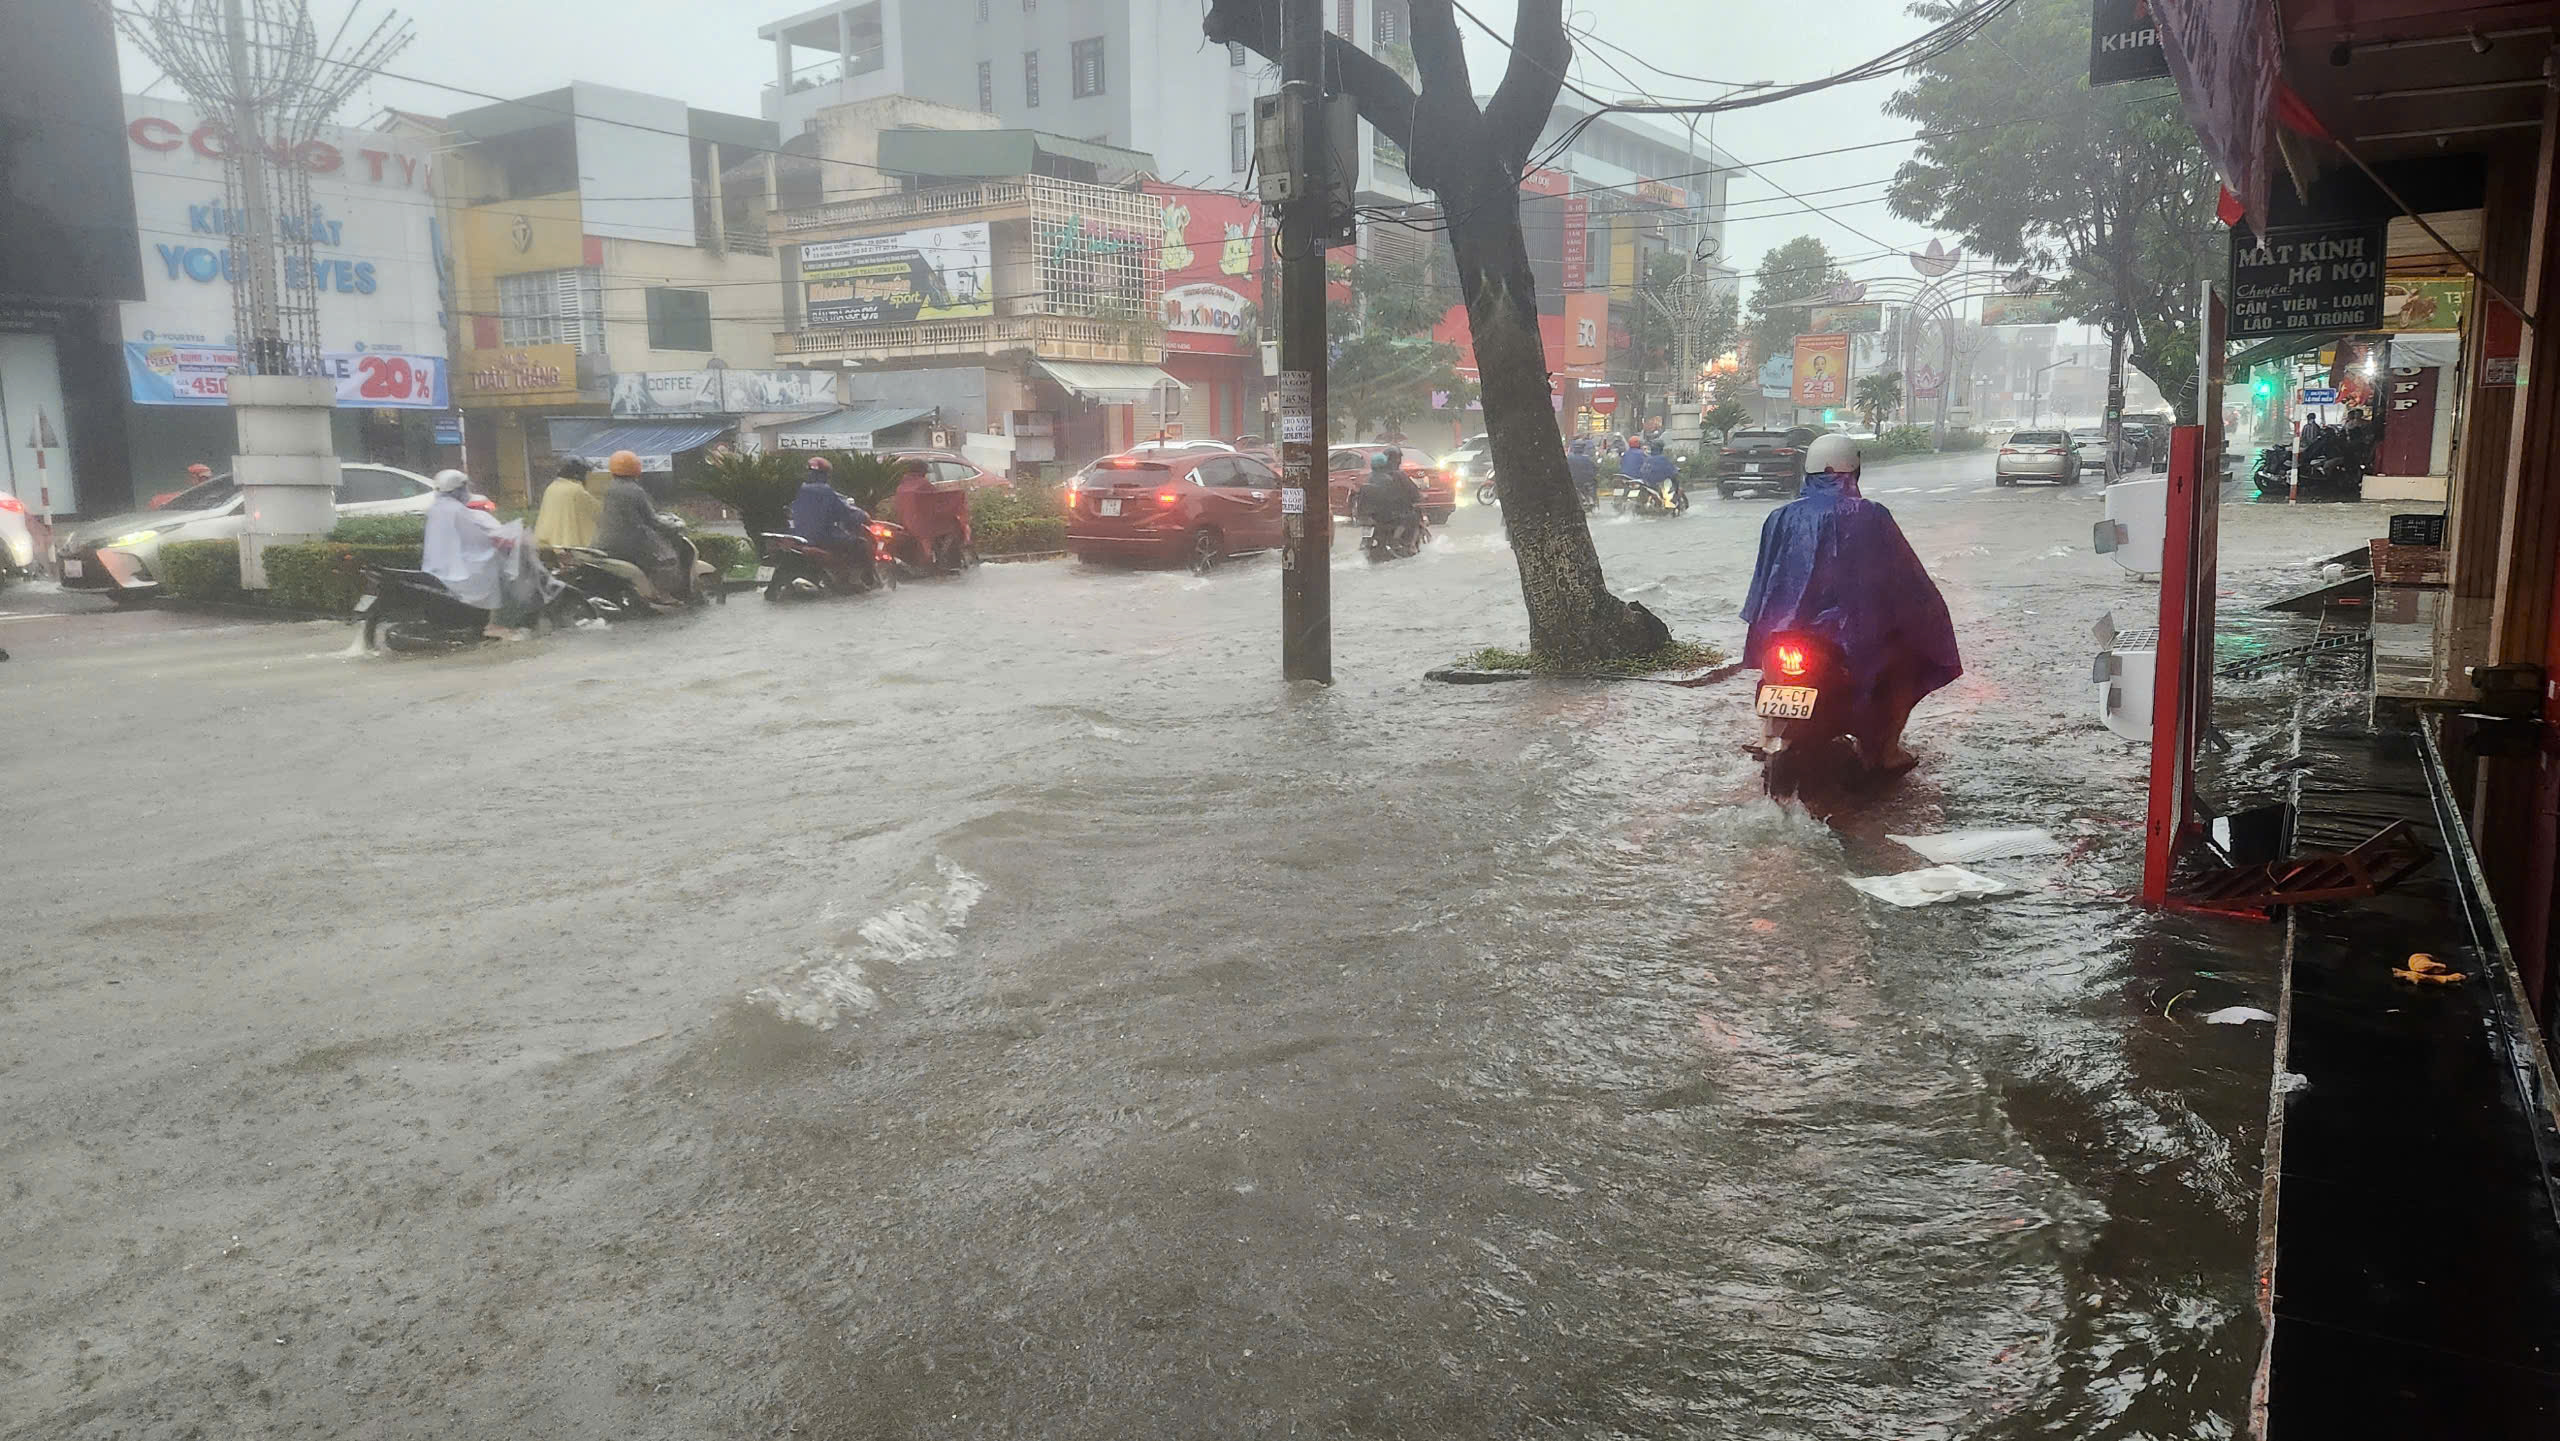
point(2106, 187)
point(1385, 363)
point(1730, 395)
point(760, 487)
point(1797, 270)
point(1876, 394)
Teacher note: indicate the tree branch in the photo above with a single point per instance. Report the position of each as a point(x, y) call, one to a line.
point(1383, 98)
point(1447, 125)
point(1540, 55)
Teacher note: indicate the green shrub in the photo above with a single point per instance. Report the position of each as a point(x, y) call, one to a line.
point(1023, 535)
point(729, 554)
point(328, 576)
point(1674, 655)
point(995, 506)
point(760, 487)
point(1966, 440)
point(381, 530)
point(1904, 440)
point(200, 569)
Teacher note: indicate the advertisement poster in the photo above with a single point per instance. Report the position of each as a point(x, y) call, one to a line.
point(160, 373)
point(1865, 319)
point(372, 275)
point(1822, 370)
point(1211, 260)
point(1777, 377)
point(1577, 243)
point(722, 392)
point(2307, 279)
point(2425, 304)
point(2021, 310)
point(942, 272)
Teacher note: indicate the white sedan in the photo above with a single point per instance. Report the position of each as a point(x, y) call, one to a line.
point(118, 556)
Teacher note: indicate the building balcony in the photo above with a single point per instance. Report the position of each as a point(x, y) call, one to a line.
point(1051, 337)
point(990, 200)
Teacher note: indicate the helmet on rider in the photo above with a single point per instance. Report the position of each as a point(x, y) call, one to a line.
point(1836, 454)
point(572, 467)
point(624, 464)
point(818, 466)
point(450, 481)
point(1387, 459)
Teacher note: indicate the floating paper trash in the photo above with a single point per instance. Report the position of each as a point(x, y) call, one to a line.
point(1952, 848)
point(2238, 1016)
point(1926, 888)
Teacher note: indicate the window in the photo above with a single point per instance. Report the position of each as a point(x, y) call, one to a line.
point(553, 307)
point(1031, 76)
point(1388, 25)
point(1235, 53)
point(1085, 59)
point(679, 319)
point(952, 472)
point(986, 87)
point(1239, 142)
point(365, 485)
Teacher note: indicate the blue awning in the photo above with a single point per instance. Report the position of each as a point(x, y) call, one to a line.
point(656, 445)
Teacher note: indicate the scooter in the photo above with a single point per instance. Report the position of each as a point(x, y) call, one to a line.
point(803, 568)
point(411, 610)
point(1395, 540)
point(1644, 498)
point(1800, 706)
point(1488, 491)
point(624, 591)
point(2275, 470)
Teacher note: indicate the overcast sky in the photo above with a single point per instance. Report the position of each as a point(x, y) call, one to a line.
point(706, 53)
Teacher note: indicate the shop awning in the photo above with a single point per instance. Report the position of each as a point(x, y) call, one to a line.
point(656, 445)
point(1110, 384)
point(852, 428)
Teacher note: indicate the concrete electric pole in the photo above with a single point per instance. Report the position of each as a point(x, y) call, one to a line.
point(1302, 118)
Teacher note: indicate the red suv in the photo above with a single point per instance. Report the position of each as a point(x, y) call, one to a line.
point(1347, 469)
point(1198, 507)
point(945, 467)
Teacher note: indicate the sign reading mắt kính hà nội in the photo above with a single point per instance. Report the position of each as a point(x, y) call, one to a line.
point(2307, 279)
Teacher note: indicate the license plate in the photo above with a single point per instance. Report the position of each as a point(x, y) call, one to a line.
point(1751, 470)
point(1787, 702)
point(1108, 507)
point(365, 603)
point(71, 570)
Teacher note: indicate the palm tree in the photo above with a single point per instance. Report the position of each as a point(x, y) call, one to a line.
point(1875, 394)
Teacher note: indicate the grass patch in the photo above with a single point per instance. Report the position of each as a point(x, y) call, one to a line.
point(1678, 655)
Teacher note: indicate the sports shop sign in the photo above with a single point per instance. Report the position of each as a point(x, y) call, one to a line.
point(372, 268)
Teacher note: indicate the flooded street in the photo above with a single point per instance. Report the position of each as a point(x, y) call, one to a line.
point(1002, 1008)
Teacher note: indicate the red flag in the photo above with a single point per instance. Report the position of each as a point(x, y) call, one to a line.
point(2295, 115)
point(2226, 208)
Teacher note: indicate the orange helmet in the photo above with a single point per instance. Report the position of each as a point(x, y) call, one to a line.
point(625, 464)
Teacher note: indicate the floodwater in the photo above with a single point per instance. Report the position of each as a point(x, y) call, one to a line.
point(1004, 1009)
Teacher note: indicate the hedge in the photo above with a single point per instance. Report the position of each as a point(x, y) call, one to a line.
point(1027, 535)
point(200, 569)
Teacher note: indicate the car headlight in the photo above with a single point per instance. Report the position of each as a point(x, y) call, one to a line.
point(135, 537)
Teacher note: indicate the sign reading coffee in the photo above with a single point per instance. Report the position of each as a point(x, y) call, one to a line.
point(2307, 279)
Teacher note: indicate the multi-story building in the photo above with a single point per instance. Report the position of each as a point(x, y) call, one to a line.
point(614, 286)
point(1007, 280)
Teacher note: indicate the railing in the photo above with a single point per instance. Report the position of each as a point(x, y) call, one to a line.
point(731, 239)
point(1060, 337)
point(940, 201)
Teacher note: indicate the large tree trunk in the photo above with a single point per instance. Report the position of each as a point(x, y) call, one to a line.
point(1470, 158)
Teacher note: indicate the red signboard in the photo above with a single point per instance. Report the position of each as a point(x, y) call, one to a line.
point(1212, 253)
point(1543, 182)
point(1577, 243)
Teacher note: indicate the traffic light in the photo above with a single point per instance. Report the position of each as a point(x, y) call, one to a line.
point(2266, 387)
point(1829, 416)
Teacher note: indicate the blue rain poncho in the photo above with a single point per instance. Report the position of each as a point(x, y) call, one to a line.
point(1834, 564)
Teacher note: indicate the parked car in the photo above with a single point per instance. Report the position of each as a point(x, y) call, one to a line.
point(1470, 462)
point(2037, 455)
point(17, 540)
point(1257, 447)
point(1194, 506)
point(118, 556)
point(1763, 461)
point(2091, 442)
point(1146, 447)
point(1347, 469)
point(945, 467)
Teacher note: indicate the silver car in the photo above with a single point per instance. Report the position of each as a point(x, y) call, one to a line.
point(2037, 455)
point(118, 556)
point(17, 542)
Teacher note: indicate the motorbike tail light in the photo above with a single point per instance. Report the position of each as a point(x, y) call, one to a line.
point(1790, 658)
point(12, 504)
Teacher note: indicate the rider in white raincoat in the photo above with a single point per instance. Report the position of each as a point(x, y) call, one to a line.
point(486, 565)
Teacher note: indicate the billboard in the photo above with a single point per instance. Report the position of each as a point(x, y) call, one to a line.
point(2413, 303)
point(1586, 335)
point(1778, 377)
point(1867, 319)
point(2022, 310)
point(1212, 249)
point(721, 392)
point(1822, 370)
point(941, 272)
point(373, 271)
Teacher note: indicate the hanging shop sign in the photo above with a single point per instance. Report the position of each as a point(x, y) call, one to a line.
point(2307, 279)
point(2124, 43)
point(942, 272)
point(171, 373)
point(1577, 242)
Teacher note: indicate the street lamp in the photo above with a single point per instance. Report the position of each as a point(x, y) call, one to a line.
point(2035, 398)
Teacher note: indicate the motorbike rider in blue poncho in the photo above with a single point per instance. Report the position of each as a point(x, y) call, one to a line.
point(1833, 564)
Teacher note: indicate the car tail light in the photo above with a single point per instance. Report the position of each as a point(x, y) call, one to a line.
point(1168, 499)
point(1784, 450)
point(2006, 450)
point(1790, 658)
point(1728, 450)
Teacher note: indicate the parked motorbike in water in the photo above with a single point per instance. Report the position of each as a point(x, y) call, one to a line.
point(1395, 539)
point(2275, 470)
point(411, 610)
point(623, 591)
point(804, 568)
point(1801, 705)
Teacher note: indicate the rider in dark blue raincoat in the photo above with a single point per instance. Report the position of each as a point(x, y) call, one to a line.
point(1834, 564)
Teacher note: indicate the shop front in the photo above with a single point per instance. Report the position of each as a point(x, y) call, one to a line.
point(1213, 310)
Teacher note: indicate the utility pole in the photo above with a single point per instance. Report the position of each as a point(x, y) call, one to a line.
point(1306, 551)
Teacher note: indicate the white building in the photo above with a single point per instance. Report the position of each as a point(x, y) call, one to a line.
point(1136, 74)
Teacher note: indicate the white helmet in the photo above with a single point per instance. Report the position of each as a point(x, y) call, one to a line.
point(1835, 453)
point(449, 481)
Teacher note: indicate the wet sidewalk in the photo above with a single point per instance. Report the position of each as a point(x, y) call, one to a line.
point(2410, 1238)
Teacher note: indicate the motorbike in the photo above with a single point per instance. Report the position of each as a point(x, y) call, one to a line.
point(1801, 736)
point(2275, 470)
point(1395, 539)
point(803, 568)
point(623, 591)
point(411, 610)
point(1488, 493)
point(1645, 498)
